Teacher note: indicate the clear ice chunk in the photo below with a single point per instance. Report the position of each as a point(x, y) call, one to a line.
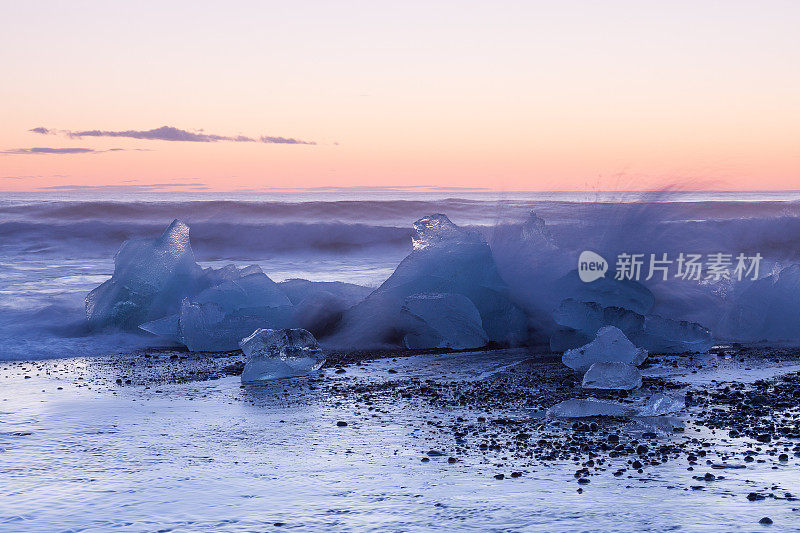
point(450, 321)
point(151, 277)
point(612, 375)
point(610, 344)
point(279, 353)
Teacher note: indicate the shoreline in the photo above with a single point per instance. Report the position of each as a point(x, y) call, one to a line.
point(484, 413)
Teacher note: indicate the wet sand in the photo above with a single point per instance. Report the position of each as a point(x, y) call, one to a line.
point(467, 419)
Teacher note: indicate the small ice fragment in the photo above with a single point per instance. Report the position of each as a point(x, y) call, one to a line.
point(661, 404)
point(578, 408)
point(610, 344)
point(279, 353)
point(450, 321)
point(612, 375)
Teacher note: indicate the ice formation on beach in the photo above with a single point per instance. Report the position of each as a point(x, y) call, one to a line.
point(661, 404)
point(585, 407)
point(612, 375)
point(609, 345)
point(768, 309)
point(209, 328)
point(523, 287)
point(606, 292)
point(448, 321)
point(151, 277)
point(253, 293)
point(446, 259)
point(320, 305)
point(273, 354)
point(158, 287)
point(580, 321)
point(657, 405)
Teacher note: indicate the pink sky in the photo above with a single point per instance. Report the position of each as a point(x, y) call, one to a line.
point(501, 95)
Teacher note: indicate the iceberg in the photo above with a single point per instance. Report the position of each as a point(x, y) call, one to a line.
point(216, 276)
point(167, 327)
point(579, 321)
point(528, 260)
point(219, 316)
point(768, 309)
point(208, 328)
point(253, 294)
point(609, 345)
point(612, 375)
point(606, 292)
point(446, 259)
point(663, 335)
point(320, 305)
point(298, 290)
point(450, 321)
point(579, 408)
point(273, 354)
point(151, 277)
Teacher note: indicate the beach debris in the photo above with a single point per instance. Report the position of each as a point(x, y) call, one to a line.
point(279, 353)
point(609, 345)
point(612, 375)
point(449, 321)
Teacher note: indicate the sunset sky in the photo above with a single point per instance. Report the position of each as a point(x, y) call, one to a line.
point(522, 95)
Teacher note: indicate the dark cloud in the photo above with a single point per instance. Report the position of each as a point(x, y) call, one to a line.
point(61, 151)
point(168, 133)
point(146, 187)
point(66, 151)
